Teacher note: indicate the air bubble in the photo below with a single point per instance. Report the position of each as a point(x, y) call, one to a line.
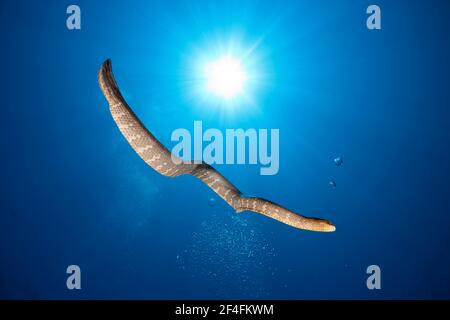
point(338, 161)
point(212, 202)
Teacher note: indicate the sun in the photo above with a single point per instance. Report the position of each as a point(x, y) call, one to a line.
point(225, 77)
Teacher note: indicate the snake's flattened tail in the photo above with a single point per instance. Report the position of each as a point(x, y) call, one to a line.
point(141, 140)
point(157, 156)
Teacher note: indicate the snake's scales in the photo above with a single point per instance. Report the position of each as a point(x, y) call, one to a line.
point(159, 158)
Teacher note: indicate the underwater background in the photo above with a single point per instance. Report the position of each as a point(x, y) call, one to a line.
point(74, 192)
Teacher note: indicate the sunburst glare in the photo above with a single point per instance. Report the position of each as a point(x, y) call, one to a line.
point(224, 75)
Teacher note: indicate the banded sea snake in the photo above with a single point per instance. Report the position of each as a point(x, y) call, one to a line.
point(160, 158)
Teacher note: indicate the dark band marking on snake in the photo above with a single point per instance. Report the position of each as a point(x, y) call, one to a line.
point(160, 158)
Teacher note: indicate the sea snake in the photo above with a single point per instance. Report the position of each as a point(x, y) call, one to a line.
point(160, 158)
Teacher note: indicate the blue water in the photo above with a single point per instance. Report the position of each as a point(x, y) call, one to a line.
point(74, 192)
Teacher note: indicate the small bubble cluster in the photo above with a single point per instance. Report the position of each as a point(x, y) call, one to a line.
point(338, 161)
point(229, 255)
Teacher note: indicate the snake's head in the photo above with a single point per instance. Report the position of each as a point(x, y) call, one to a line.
point(325, 226)
point(314, 224)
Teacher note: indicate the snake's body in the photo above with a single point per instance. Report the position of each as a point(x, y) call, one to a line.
point(160, 158)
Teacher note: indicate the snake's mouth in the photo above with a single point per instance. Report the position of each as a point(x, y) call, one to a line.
point(330, 227)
